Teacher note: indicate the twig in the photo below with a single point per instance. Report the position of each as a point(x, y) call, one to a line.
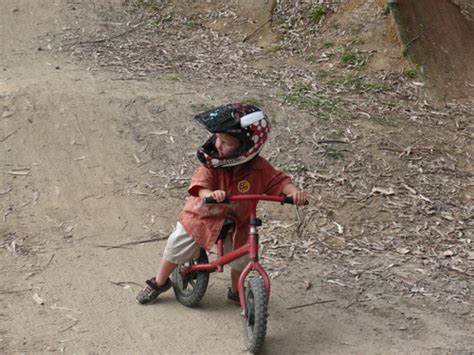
point(80, 130)
point(356, 300)
point(332, 141)
point(5, 215)
point(131, 78)
point(69, 327)
point(297, 213)
point(14, 291)
point(412, 40)
point(132, 243)
point(90, 196)
point(145, 162)
point(121, 283)
point(310, 304)
point(65, 309)
point(8, 135)
point(49, 262)
point(108, 247)
point(412, 190)
point(257, 29)
point(19, 173)
point(4, 192)
point(455, 4)
point(351, 303)
point(26, 203)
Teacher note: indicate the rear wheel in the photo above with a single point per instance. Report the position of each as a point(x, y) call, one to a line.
point(256, 314)
point(190, 289)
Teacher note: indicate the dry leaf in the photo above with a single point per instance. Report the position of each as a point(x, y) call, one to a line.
point(340, 229)
point(382, 191)
point(158, 133)
point(403, 251)
point(448, 253)
point(19, 172)
point(38, 299)
point(470, 255)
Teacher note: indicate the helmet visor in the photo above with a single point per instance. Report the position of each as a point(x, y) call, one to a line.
point(220, 120)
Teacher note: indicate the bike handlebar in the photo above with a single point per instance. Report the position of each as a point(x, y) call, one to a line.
point(274, 198)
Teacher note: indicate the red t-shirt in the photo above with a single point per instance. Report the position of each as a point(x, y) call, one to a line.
point(203, 222)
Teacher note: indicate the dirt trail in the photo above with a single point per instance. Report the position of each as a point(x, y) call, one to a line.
point(74, 176)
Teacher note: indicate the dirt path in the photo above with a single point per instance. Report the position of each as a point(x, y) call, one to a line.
point(76, 174)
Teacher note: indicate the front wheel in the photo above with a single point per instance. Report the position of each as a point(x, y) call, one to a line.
point(256, 314)
point(190, 289)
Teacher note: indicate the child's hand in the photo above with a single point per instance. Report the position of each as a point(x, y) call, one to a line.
point(218, 195)
point(299, 197)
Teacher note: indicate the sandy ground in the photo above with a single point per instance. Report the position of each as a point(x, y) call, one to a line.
point(73, 179)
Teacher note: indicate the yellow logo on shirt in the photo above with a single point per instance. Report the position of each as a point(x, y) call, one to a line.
point(243, 186)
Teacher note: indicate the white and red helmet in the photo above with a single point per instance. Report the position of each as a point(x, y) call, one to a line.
point(247, 123)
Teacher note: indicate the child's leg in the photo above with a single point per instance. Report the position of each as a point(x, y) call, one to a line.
point(234, 279)
point(180, 247)
point(233, 290)
point(236, 266)
point(164, 271)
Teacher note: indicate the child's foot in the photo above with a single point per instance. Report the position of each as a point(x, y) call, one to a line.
point(233, 296)
point(151, 291)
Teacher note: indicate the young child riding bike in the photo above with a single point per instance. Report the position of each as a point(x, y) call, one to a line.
point(231, 165)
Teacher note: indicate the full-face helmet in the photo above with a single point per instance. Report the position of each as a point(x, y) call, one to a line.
point(247, 123)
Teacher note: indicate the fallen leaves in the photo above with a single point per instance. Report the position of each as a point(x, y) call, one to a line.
point(14, 244)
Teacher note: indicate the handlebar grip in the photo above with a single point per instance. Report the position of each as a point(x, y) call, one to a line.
point(208, 200)
point(289, 200)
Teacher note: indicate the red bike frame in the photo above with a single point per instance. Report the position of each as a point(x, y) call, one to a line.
point(251, 248)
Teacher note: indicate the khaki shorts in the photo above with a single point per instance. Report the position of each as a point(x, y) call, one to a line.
point(180, 248)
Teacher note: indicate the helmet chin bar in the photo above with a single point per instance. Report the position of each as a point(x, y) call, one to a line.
point(207, 154)
point(233, 162)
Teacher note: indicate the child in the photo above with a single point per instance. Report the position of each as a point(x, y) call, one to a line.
point(230, 165)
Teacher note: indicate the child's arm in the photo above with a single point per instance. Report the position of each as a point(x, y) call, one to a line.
point(217, 195)
point(299, 197)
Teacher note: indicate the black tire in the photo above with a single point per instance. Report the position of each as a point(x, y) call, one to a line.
point(191, 289)
point(256, 314)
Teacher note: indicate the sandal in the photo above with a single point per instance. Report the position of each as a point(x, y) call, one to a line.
point(151, 291)
point(233, 296)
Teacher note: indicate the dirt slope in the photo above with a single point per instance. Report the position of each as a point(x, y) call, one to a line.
point(439, 36)
point(98, 155)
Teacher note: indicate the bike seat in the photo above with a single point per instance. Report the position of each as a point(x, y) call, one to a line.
point(228, 225)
